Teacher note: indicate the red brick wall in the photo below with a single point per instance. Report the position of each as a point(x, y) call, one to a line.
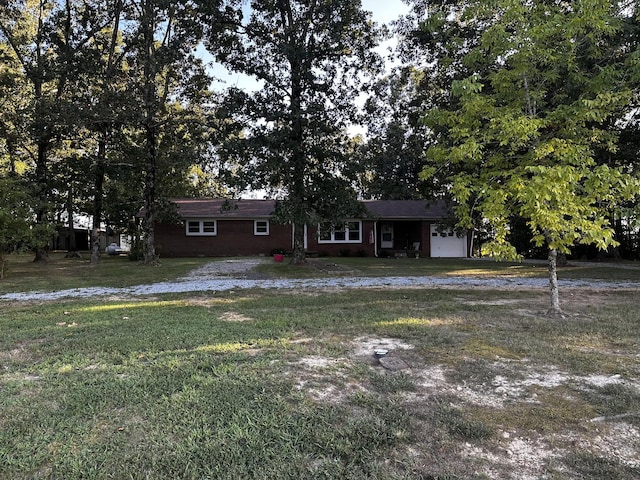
point(234, 237)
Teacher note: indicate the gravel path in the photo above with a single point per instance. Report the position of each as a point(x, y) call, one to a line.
point(232, 275)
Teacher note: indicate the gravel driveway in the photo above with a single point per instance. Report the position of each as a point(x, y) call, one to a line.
point(237, 274)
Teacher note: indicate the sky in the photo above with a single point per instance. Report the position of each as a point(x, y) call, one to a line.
point(383, 11)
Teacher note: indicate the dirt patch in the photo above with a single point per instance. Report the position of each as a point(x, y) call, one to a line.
point(515, 385)
point(329, 267)
point(365, 346)
point(22, 351)
point(585, 299)
point(496, 302)
point(325, 379)
point(235, 267)
point(527, 453)
point(18, 354)
point(234, 317)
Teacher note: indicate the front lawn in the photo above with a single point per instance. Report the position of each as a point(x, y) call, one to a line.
point(64, 273)
point(61, 273)
point(265, 385)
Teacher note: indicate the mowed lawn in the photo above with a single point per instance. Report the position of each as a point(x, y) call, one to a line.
point(256, 384)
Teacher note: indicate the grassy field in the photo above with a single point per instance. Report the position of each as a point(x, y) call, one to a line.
point(264, 385)
point(64, 273)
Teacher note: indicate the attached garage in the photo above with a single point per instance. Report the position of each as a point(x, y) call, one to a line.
point(445, 243)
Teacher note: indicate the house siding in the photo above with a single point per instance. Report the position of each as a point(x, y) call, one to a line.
point(234, 238)
point(235, 234)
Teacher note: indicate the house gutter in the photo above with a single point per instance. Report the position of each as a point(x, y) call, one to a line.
point(470, 246)
point(375, 239)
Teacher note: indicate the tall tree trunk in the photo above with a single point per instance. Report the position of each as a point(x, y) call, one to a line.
point(72, 247)
point(149, 250)
point(41, 241)
point(553, 283)
point(150, 94)
point(299, 256)
point(98, 193)
point(103, 132)
point(297, 191)
point(3, 263)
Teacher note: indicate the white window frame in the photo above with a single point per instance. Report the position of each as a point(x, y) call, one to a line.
point(203, 228)
point(255, 227)
point(347, 233)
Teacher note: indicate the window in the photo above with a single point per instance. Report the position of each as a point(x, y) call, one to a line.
point(350, 232)
point(201, 227)
point(353, 230)
point(261, 227)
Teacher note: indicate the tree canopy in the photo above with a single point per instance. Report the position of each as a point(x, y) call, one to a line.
point(390, 160)
point(513, 110)
point(532, 129)
point(112, 89)
point(311, 59)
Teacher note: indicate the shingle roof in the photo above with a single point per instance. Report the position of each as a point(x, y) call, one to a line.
point(223, 208)
point(251, 208)
point(407, 209)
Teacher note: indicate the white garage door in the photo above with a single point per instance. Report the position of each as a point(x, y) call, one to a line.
point(447, 244)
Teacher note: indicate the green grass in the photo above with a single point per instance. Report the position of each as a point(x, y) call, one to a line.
point(63, 273)
point(374, 267)
point(260, 385)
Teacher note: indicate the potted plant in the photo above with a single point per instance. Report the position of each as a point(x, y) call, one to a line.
point(278, 254)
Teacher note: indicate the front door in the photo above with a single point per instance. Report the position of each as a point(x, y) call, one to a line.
point(386, 235)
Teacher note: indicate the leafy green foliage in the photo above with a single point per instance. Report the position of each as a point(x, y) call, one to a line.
point(390, 160)
point(14, 214)
point(530, 130)
point(310, 59)
point(102, 98)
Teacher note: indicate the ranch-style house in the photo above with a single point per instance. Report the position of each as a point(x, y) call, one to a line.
point(222, 227)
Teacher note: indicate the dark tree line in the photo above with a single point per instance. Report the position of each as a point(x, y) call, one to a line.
point(114, 93)
point(104, 101)
point(508, 111)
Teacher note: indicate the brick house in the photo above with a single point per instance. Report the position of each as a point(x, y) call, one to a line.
point(218, 227)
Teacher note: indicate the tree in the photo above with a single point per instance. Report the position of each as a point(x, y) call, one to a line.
point(15, 211)
point(42, 39)
point(530, 131)
point(626, 216)
point(393, 155)
point(310, 58)
point(167, 72)
point(105, 108)
point(15, 228)
point(93, 87)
